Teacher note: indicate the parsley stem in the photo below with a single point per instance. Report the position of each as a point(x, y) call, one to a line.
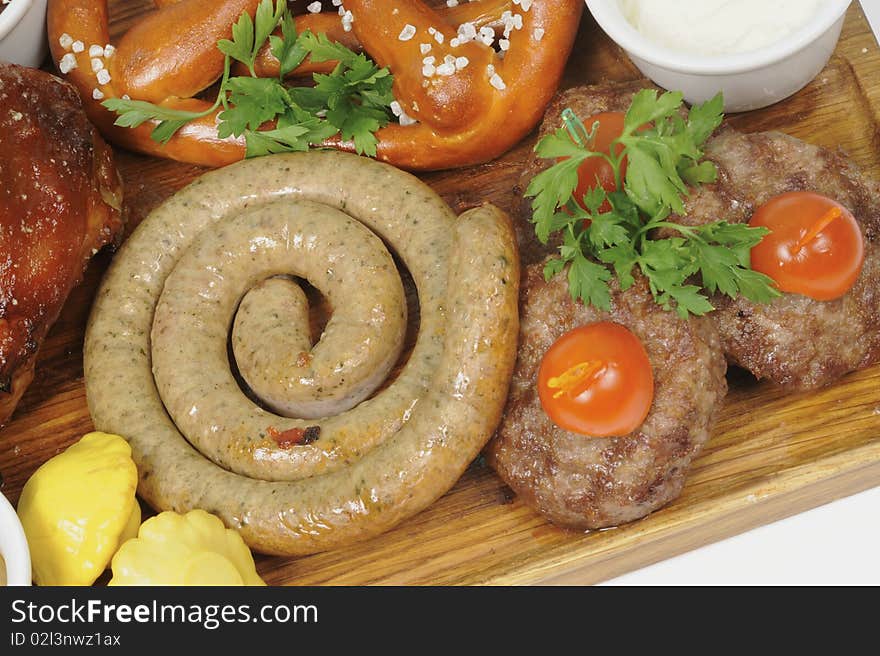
point(221, 94)
point(687, 231)
point(576, 128)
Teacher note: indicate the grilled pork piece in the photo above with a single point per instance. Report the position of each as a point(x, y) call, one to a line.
point(60, 199)
point(795, 341)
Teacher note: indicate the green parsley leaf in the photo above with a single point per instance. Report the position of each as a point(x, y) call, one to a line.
point(287, 49)
point(323, 49)
point(551, 189)
point(241, 46)
point(606, 230)
point(589, 281)
point(651, 185)
point(249, 35)
point(553, 267)
point(663, 147)
point(704, 119)
point(255, 100)
point(646, 108)
point(353, 101)
point(623, 257)
point(265, 21)
point(132, 113)
point(688, 300)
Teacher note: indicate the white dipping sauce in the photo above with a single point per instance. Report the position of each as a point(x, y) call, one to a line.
point(718, 27)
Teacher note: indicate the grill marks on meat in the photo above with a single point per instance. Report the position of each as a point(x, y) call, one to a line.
point(584, 482)
point(795, 341)
point(60, 197)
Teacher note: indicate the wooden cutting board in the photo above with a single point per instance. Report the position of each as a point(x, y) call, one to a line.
point(772, 455)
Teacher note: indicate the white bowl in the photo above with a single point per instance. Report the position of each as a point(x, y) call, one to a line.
point(13, 546)
point(749, 80)
point(23, 32)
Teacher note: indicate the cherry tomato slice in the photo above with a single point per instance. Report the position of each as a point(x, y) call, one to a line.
point(814, 248)
point(596, 170)
point(596, 380)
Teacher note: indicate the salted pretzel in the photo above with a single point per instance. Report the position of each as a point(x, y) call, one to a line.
point(469, 117)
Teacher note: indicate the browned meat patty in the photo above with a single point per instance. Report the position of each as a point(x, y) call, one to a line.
point(583, 482)
point(795, 341)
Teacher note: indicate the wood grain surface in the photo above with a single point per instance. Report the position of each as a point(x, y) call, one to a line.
point(771, 455)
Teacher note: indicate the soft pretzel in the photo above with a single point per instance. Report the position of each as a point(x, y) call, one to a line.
point(470, 117)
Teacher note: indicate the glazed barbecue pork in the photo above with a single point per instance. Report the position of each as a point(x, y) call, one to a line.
point(60, 199)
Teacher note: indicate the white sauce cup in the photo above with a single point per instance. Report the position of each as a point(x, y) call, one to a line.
point(23, 32)
point(749, 80)
point(13, 546)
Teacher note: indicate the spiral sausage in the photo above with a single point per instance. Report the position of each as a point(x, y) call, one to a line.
point(181, 275)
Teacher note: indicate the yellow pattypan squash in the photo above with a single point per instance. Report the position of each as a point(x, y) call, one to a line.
point(78, 508)
point(191, 549)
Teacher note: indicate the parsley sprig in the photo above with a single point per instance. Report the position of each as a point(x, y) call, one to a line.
point(663, 150)
point(353, 100)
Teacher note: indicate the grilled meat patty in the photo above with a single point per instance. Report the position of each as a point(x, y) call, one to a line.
point(795, 341)
point(583, 482)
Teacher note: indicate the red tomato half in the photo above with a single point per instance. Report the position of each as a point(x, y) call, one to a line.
point(595, 170)
point(815, 246)
point(596, 380)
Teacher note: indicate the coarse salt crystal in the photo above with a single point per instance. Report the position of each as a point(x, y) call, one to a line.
point(314, 8)
point(497, 82)
point(467, 32)
point(538, 33)
point(65, 41)
point(104, 76)
point(109, 51)
point(347, 20)
point(67, 63)
point(425, 48)
point(96, 51)
point(446, 68)
point(407, 120)
point(97, 64)
point(77, 46)
point(461, 62)
point(407, 33)
point(97, 94)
